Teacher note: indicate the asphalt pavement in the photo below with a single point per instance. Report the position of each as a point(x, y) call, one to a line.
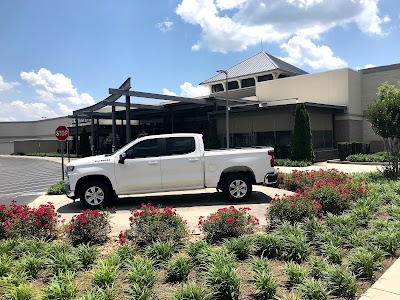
point(24, 178)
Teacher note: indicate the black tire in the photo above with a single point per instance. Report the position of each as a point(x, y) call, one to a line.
point(237, 187)
point(96, 194)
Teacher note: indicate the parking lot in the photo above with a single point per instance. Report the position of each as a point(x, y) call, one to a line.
point(24, 178)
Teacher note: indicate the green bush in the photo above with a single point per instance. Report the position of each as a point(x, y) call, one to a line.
point(178, 268)
point(191, 291)
point(89, 227)
point(61, 287)
point(141, 272)
point(295, 246)
point(292, 163)
point(364, 262)
point(376, 157)
point(267, 245)
point(341, 282)
point(240, 247)
point(56, 189)
point(296, 273)
point(160, 251)
point(345, 149)
point(50, 154)
point(312, 289)
point(149, 224)
point(332, 197)
point(227, 223)
point(301, 146)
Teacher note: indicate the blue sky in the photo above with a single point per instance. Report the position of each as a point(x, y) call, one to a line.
point(57, 56)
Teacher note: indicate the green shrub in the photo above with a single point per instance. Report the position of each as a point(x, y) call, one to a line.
point(260, 264)
point(61, 287)
point(98, 293)
point(5, 264)
point(86, 254)
point(376, 157)
point(267, 245)
point(240, 247)
point(30, 265)
point(104, 273)
point(220, 274)
point(194, 249)
point(301, 146)
point(126, 252)
point(296, 273)
point(191, 291)
point(141, 272)
point(61, 258)
point(387, 239)
point(23, 291)
point(333, 253)
point(292, 163)
point(293, 209)
point(265, 283)
point(312, 227)
point(149, 224)
point(56, 189)
point(312, 289)
point(49, 154)
point(178, 268)
point(294, 246)
point(140, 292)
point(160, 251)
point(341, 282)
point(227, 223)
point(363, 262)
point(317, 266)
point(89, 227)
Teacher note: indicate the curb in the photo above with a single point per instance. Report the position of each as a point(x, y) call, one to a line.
point(367, 163)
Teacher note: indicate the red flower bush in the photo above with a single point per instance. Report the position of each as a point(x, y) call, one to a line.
point(334, 191)
point(226, 223)
point(149, 224)
point(89, 227)
point(22, 221)
point(293, 208)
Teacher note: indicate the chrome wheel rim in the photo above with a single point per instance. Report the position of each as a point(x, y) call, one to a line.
point(94, 195)
point(238, 188)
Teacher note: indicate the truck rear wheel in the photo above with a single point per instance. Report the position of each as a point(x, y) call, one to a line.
point(237, 187)
point(95, 194)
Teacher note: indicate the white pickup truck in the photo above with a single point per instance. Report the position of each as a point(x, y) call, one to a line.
point(168, 162)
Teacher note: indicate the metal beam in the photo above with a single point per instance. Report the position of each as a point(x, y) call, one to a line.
point(128, 118)
point(135, 105)
point(114, 138)
point(158, 96)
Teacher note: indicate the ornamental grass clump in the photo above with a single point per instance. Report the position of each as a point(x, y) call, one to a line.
point(227, 223)
point(89, 227)
point(191, 291)
point(61, 287)
point(293, 209)
point(195, 248)
point(240, 247)
point(264, 281)
point(149, 224)
point(267, 245)
point(86, 254)
point(23, 221)
point(364, 262)
point(178, 268)
point(160, 251)
point(312, 289)
point(341, 282)
point(294, 243)
point(296, 273)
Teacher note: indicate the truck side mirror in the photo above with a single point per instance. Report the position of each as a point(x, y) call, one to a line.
point(122, 158)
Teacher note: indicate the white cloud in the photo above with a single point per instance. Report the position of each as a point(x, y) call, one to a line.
point(4, 86)
point(274, 20)
point(65, 110)
point(303, 51)
point(56, 88)
point(165, 26)
point(19, 110)
point(188, 90)
point(367, 66)
point(167, 92)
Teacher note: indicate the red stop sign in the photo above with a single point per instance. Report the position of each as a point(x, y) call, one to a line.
point(62, 133)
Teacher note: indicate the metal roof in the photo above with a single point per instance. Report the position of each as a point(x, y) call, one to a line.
point(259, 63)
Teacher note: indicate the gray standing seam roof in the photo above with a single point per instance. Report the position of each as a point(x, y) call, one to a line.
point(261, 62)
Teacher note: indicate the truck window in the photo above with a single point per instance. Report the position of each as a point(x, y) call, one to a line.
point(179, 145)
point(146, 148)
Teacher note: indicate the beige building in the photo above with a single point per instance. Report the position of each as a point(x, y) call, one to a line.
point(336, 100)
point(264, 91)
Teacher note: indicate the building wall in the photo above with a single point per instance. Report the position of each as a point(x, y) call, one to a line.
point(41, 129)
point(371, 79)
point(335, 87)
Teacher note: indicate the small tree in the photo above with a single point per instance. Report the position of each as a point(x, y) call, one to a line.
point(384, 116)
point(301, 147)
point(213, 139)
point(84, 144)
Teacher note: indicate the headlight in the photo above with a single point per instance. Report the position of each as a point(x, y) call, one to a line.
point(70, 168)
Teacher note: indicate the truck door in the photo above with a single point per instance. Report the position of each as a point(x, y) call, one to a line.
point(181, 164)
point(141, 170)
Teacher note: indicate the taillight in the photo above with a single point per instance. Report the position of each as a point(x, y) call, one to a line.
point(272, 154)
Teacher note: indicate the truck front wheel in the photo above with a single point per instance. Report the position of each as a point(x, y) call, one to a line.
point(237, 187)
point(95, 194)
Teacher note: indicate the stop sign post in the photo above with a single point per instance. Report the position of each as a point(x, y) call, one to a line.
point(62, 134)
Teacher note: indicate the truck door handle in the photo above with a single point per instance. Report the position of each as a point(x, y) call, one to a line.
point(153, 162)
point(193, 159)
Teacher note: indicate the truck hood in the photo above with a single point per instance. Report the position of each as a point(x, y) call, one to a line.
point(91, 160)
